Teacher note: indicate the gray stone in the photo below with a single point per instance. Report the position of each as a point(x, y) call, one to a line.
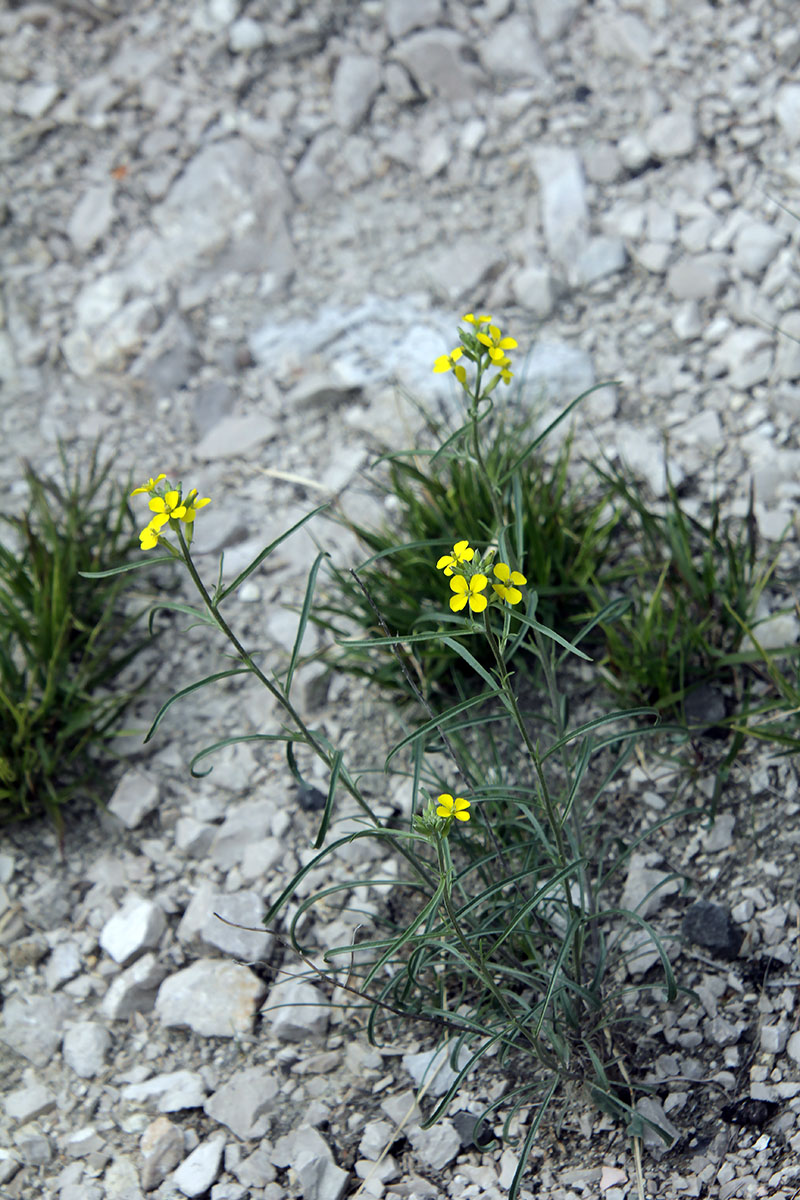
point(135, 797)
point(745, 356)
point(307, 1152)
point(644, 455)
point(236, 437)
point(134, 990)
point(697, 278)
point(355, 86)
point(246, 823)
point(554, 17)
point(162, 1149)
point(646, 888)
point(787, 357)
point(245, 909)
point(720, 835)
point(212, 402)
point(245, 1103)
point(376, 1137)
point(437, 1146)
point(787, 111)
point(775, 1037)
point(624, 35)
point(602, 256)
point(463, 267)
point(317, 391)
point(33, 1147)
point(256, 1170)
point(83, 1142)
point(403, 16)
point(212, 997)
point(510, 51)
point(171, 357)
point(634, 151)
point(793, 1047)
point(63, 964)
point(432, 1070)
point(672, 135)
point(711, 926)
point(246, 35)
point(10, 1164)
point(296, 1010)
point(33, 1025)
point(557, 371)
point(193, 838)
point(138, 926)
point(564, 212)
point(171, 1092)
point(29, 1102)
point(86, 1045)
point(92, 217)
point(650, 1108)
point(34, 99)
point(755, 246)
point(534, 289)
point(438, 62)
point(196, 1174)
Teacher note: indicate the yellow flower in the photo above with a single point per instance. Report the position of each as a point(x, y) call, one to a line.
point(496, 344)
point(505, 374)
point(149, 536)
point(456, 807)
point(447, 362)
point(504, 589)
point(148, 487)
point(462, 552)
point(484, 319)
point(167, 506)
point(468, 592)
point(192, 505)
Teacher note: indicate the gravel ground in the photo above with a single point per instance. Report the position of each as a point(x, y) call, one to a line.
point(233, 235)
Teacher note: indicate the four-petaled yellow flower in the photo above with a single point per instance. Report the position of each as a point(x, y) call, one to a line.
point(505, 374)
point(166, 506)
point(448, 362)
point(484, 319)
point(468, 592)
point(507, 589)
point(192, 504)
point(450, 806)
point(149, 537)
point(149, 487)
point(462, 552)
point(496, 344)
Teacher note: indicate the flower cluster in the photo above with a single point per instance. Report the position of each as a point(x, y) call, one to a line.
point(485, 346)
point(469, 579)
point(438, 815)
point(167, 504)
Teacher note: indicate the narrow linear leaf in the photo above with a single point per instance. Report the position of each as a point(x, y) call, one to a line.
point(303, 622)
point(265, 553)
point(187, 691)
point(336, 764)
point(134, 566)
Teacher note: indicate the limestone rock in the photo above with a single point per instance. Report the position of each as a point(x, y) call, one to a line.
point(355, 86)
point(212, 997)
point(438, 61)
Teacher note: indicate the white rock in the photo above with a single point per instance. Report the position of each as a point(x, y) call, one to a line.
point(650, 1108)
point(310, 1155)
point(236, 437)
point(745, 355)
point(170, 1092)
point(534, 289)
point(86, 1045)
point(787, 111)
point(296, 1010)
point(720, 835)
point(196, 1174)
point(775, 1037)
point(461, 267)
point(672, 135)
point(554, 17)
point(246, 909)
point(376, 1137)
point(32, 1025)
point(437, 61)
point(653, 256)
point(645, 888)
point(437, 1146)
point(787, 357)
point(62, 965)
point(34, 99)
point(624, 35)
point(162, 1149)
point(92, 217)
point(602, 256)
point(403, 16)
point(29, 1102)
point(510, 51)
point(212, 997)
point(687, 323)
point(134, 990)
point(634, 151)
point(755, 247)
point(137, 927)
point(775, 632)
point(246, 35)
point(431, 1069)
point(557, 371)
point(135, 797)
point(435, 155)
point(644, 455)
point(565, 215)
point(245, 1102)
point(222, 12)
point(793, 1047)
point(355, 86)
point(697, 278)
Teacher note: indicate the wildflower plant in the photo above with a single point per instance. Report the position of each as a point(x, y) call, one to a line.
point(509, 943)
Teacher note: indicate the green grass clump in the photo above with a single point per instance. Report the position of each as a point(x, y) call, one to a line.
point(565, 527)
point(62, 638)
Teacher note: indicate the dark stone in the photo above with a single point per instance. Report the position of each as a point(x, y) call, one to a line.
point(310, 799)
point(582, 93)
point(704, 707)
point(755, 1113)
point(466, 1124)
point(712, 927)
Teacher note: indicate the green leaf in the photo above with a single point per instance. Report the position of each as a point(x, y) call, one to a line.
point(187, 691)
point(336, 765)
point(303, 622)
point(265, 553)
